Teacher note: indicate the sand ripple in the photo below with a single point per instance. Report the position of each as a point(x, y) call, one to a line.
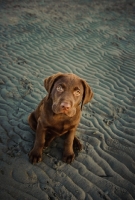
point(96, 41)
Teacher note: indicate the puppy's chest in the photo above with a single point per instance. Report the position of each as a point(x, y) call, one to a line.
point(61, 125)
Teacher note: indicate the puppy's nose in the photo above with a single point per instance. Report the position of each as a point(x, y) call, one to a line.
point(65, 106)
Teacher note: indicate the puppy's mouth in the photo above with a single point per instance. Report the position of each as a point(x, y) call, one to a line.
point(63, 108)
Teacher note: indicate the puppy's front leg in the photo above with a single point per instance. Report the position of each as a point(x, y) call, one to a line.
point(68, 155)
point(35, 154)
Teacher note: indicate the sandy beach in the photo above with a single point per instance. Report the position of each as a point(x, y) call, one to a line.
point(95, 40)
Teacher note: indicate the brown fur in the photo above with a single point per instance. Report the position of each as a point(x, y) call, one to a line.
point(59, 113)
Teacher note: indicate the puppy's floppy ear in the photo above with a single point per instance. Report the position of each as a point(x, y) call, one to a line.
point(87, 93)
point(49, 81)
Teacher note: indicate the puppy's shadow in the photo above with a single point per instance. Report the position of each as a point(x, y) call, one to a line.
point(55, 149)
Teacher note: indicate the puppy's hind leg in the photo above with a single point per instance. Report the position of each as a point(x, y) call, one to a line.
point(49, 138)
point(77, 145)
point(32, 121)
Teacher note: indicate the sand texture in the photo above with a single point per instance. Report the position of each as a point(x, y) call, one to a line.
point(95, 40)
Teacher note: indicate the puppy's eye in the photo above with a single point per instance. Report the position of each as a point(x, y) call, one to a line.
point(77, 93)
point(59, 88)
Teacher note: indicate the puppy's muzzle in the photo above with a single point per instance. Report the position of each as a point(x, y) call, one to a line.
point(65, 106)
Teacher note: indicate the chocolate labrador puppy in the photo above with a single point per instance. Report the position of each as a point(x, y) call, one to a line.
point(59, 113)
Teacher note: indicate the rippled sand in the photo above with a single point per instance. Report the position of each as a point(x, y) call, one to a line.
point(96, 41)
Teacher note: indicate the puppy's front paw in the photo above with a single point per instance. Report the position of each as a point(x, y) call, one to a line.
point(35, 156)
point(68, 157)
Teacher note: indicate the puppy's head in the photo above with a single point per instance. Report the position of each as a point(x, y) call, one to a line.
point(67, 92)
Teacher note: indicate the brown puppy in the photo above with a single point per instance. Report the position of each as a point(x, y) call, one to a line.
point(59, 113)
